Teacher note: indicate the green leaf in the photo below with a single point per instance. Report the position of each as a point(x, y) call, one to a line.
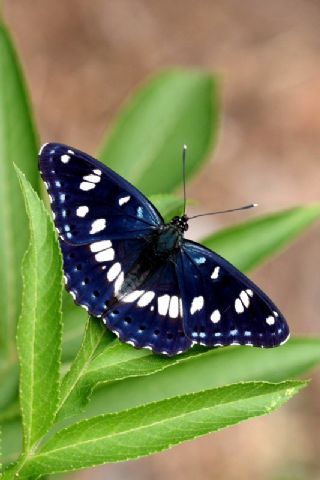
point(145, 144)
point(117, 362)
point(17, 144)
point(96, 337)
point(248, 244)
point(168, 205)
point(209, 369)
point(74, 322)
point(156, 427)
point(39, 326)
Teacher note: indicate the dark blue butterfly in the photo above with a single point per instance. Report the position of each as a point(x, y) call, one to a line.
point(151, 287)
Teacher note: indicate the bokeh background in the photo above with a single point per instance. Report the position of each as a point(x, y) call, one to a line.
point(82, 59)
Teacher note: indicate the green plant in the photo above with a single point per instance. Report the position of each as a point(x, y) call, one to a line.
point(103, 401)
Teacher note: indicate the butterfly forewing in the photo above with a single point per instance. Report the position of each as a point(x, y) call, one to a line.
point(222, 306)
point(90, 202)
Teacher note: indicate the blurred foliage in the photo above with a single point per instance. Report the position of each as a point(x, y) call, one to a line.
point(72, 409)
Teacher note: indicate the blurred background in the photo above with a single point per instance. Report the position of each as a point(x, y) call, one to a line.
point(82, 59)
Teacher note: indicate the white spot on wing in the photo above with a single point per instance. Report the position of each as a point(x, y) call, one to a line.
point(163, 304)
point(118, 283)
point(98, 246)
point(113, 271)
point(65, 158)
point(270, 320)
point(215, 316)
point(215, 273)
point(146, 299)
point(174, 307)
point(82, 211)
point(124, 200)
point(238, 305)
point(92, 178)
point(133, 296)
point(197, 304)
point(249, 292)
point(244, 297)
point(97, 171)
point(105, 255)
point(71, 152)
point(98, 225)
point(85, 186)
point(200, 260)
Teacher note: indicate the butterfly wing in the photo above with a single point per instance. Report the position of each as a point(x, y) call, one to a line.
point(151, 316)
point(90, 202)
point(222, 306)
point(104, 224)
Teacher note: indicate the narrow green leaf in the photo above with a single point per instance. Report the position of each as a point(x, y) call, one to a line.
point(145, 144)
point(96, 337)
point(39, 326)
point(74, 322)
point(248, 244)
point(212, 368)
point(156, 427)
point(17, 144)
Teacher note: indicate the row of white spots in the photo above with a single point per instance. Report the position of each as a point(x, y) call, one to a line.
point(82, 211)
point(98, 225)
point(170, 304)
point(103, 250)
point(215, 273)
point(243, 301)
point(90, 181)
point(197, 304)
point(124, 200)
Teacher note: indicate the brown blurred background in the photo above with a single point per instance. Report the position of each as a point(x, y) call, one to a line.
point(83, 58)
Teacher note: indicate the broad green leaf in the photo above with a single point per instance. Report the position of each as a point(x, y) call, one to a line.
point(145, 143)
point(248, 244)
point(209, 369)
point(17, 144)
point(168, 205)
point(39, 326)
point(155, 427)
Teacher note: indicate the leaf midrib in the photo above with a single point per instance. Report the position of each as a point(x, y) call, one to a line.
point(162, 421)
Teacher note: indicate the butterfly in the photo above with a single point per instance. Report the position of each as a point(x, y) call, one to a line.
point(152, 287)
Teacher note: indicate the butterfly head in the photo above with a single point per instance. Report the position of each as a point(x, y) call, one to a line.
point(181, 223)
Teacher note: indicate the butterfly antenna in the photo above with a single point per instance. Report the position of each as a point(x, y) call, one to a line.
point(184, 155)
point(245, 207)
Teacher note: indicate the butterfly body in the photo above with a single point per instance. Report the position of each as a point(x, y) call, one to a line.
point(150, 285)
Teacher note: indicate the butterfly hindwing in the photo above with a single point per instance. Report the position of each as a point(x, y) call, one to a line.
point(151, 316)
point(222, 306)
point(90, 202)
